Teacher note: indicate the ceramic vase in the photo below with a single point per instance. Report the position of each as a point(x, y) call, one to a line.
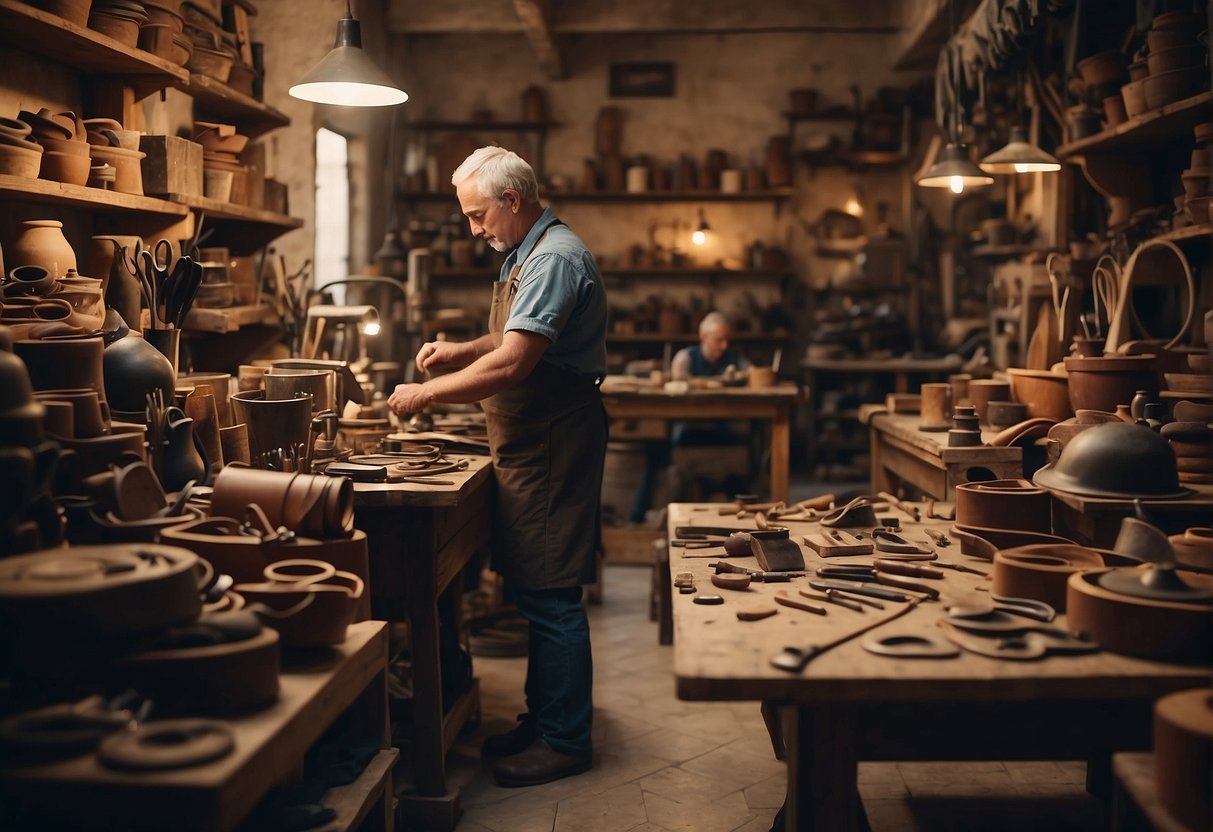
point(134, 368)
point(41, 243)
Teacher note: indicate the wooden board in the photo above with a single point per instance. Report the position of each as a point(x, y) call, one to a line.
point(383, 494)
point(20, 189)
point(838, 542)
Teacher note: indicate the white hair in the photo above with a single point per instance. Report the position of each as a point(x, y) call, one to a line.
point(498, 170)
point(711, 321)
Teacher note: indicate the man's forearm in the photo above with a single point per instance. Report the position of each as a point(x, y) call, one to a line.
point(491, 373)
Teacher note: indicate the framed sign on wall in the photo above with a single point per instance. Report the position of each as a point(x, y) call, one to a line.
point(651, 79)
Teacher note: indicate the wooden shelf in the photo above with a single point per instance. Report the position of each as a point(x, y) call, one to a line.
point(80, 793)
point(1188, 232)
point(216, 101)
point(32, 30)
point(216, 210)
point(483, 126)
point(854, 158)
point(229, 318)
point(353, 801)
point(772, 195)
point(1142, 133)
point(18, 188)
point(825, 115)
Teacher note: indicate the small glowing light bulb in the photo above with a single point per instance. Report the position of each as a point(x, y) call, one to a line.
point(370, 328)
point(956, 184)
point(698, 237)
point(853, 207)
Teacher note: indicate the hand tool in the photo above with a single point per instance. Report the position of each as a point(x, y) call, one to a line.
point(756, 614)
point(909, 509)
point(1021, 647)
point(1026, 607)
point(859, 599)
point(834, 597)
point(891, 542)
point(1061, 299)
point(999, 622)
point(697, 544)
point(913, 586)
point(910, 646)
point(756, 574)
point(788, 601)
point(959, 567)
point(939, 538)
point(856, 588)
point(795, 659)
point(910, 570)
point(837, 543)
point(748, 507)
point(704, 531)
point(848, 572)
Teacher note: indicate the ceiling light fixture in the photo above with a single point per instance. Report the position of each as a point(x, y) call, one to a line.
point(347, 76)
point(1019, 156)
point(700, 235)
point(953, 169)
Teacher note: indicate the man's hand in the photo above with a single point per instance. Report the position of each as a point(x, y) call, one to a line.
point(442, 354)
point(407, 399)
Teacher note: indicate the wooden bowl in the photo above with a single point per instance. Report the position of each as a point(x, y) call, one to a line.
point(123, 29)
point(1046, 394)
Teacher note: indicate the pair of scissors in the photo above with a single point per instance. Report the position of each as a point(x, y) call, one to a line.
point(153, 275)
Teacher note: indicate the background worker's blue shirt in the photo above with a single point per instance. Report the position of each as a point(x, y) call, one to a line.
point(560, 296)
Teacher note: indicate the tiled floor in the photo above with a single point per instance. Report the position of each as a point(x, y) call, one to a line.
point(664, 765)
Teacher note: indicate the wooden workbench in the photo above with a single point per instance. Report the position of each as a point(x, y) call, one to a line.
point(628, 400)
point(80, 793)
point(901, 453)
point(420, 538)
point(850, 705)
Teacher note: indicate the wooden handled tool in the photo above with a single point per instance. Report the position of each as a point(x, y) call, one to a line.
point(912, 570)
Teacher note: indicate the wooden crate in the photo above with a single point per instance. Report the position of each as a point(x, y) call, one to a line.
point(173, 166)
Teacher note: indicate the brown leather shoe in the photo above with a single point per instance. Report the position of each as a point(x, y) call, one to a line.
point(539, 763)
point(513, 741)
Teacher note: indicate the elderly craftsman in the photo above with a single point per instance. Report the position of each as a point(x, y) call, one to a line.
point(537, 372)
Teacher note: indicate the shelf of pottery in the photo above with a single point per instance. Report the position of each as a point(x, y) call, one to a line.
point(99, 165)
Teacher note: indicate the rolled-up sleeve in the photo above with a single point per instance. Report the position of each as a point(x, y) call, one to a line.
point(548, 293)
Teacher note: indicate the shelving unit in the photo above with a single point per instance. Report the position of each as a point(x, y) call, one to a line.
point(19, 189)
point(217, 101)
point(29, 29)
point(663, 273)
point(1142, 133)
point(770, 195)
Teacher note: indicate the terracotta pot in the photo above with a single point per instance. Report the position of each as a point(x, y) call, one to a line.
point(23, 161)
point(1194, 546)
point(167, 13)
point(1102, 68)
point(125, 30)
point(760, 377)
point(1183, 21)
point(1196, 183)
point(1100, 383)
point(1175, 58)
point(1114, 110)
point(1046, 394)
point(1159, 40)
point(1183, 748)
point(1134, 94)
point(72, 147)
point(982, 391)
point(936, 407)
point(217, 65)
point(41, 243)
point(73, 11)
point(157, 38)
point(128, 177)
point(68, 363)
point(1005, 504)
point(1176, 85)
point(64, 167)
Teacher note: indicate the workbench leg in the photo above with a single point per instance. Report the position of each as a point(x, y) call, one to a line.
point(823, 790)
point(780, 453)
point(881, 479)
point(422, 607)
point(810, 399)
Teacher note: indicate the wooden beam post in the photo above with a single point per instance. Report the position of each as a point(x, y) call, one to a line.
point(535, 18)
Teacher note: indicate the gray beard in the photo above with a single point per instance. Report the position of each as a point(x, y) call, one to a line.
point(497, 245)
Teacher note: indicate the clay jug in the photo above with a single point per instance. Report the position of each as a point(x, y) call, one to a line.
point(41, 243)
point(534, 105)
point(608, 132)
point(182, 458)
point(122, 288)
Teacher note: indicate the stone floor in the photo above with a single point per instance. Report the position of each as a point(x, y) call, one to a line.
point(664, 765)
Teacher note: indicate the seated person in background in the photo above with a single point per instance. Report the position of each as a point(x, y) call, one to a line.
point(710, 357)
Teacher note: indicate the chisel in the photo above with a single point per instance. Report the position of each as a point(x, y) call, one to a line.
point(856, 588)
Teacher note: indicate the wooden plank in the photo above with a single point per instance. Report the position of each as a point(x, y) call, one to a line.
point(353, 801)
point(216, 210)
point(229, 319)
point(1144, 132)
point(467, 706)
point(19, 189)
point(219, 102)
point(269, 745)
point(718, 657)
point(24, 27)
point(935, 443)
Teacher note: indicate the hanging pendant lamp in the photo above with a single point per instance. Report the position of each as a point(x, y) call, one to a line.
point(1019, 156)
point(347, 76)
point(954, 169)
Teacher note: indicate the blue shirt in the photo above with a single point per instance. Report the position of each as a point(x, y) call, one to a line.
point(700, 366)
point(560, 296)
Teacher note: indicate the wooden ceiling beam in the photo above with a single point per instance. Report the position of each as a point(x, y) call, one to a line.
point(535, 18)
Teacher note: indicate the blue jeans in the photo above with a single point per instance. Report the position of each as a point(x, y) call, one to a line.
point(560, 669)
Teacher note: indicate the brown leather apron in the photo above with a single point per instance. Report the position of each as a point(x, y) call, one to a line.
point(547, 435)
